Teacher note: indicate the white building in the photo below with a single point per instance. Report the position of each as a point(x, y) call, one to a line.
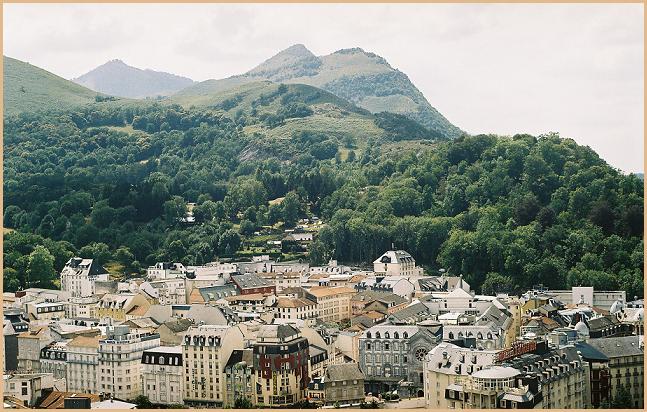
point(296, 309)
point(165, 270)
point(396, 263)
point(82, 363)
point(79, 275)
point(162, 375)
point(81, 307)
point(167, 291)
point(120, 354)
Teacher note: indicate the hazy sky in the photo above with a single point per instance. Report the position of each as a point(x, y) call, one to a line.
point(573, 69)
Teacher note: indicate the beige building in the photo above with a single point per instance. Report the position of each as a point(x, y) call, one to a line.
point(122, 306)
point(295, 309)
point(206, 350)
point(283, 280)
point(120, 353)
point(529, 375)
point(396, 263)
point(82, 362)
point(626, 365)
point(29, 387)
point(333, 304)
point(162, 375)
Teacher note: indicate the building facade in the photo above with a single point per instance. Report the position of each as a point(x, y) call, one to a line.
point(120, 353)
point(162, 375)
point(281, 365)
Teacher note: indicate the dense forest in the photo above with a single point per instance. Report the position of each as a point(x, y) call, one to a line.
point(111, 182)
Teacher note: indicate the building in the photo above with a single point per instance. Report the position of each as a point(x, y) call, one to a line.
point(82, 363)
point(240, 378)
point(446, 365)
point(30, 343)
point(333, 304)
point(28, 387)
point(343, 385)
point(626, 365)
point(85, 307)
point(167, 291)
point(120, 354)
point(494, 387)
point(600, 379)
point(206, 350)
point(283, 280)
point(562, 373)
point(45, 312)
point(122, 306)
point(162, 375)
point(396, 263)
point(79, 275)
point(53, 359)
point(392, 356)
point(281, 365)
point(252, 283)
point(602, 299)
point(295, 309)
point(165, 270)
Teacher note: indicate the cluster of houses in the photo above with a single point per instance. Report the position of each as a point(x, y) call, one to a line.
point(262, 333)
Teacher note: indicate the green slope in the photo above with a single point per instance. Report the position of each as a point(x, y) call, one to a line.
point(363, 78)
point(29, 88)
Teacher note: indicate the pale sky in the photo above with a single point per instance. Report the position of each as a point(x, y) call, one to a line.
point(499, 68)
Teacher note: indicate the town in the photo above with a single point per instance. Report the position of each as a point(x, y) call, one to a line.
point(264, 333)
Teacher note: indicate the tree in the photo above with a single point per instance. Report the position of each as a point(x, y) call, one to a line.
point(495, 283)
point(124, 256)
point(247, 227)
point(623, 399)
point(603, 216)
point(229, 242)
point(291, 208)
point(98, 251)
point(143, 402)
point(174, 210)
point(40, 268)
point(243, 403)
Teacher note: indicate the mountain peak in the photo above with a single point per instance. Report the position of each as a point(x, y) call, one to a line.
point(296, 50)
point(116, 78)
point(295, 61)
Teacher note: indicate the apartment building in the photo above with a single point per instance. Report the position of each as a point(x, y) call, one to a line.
point(82, 364)
point(118, 306)
point(53, 359)
point(206, 350)
point(162, 375)
point(240, 378)
point(281, 364)
point(78, 277)
point(30, 343)
point(120, 353)
point(333, 304)
point(295, 309)
point(626, 365)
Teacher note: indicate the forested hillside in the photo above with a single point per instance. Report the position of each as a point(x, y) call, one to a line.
point(112, 182)
point(28, 88)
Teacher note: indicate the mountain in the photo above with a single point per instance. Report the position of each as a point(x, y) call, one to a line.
point(30, 88)
point(360, 77)
point(116, 78)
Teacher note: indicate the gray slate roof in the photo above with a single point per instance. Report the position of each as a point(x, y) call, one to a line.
point(343, 372)
point(618, 346)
